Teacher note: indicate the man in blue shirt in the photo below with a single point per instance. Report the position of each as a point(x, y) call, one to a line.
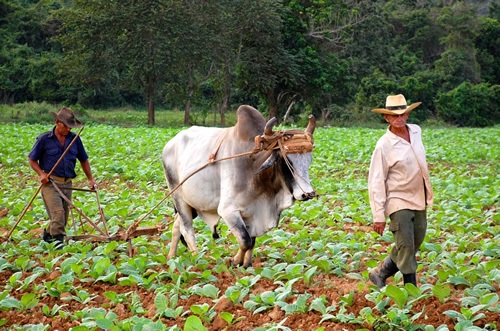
point(48, 148)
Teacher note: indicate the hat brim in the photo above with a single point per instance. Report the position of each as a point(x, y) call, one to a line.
point(398, 111)
point(75, 124)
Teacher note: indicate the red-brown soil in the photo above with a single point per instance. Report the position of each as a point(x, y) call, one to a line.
point(330, 286)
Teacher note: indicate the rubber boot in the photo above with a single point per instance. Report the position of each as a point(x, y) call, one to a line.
point(386, 269)
point(410, 278)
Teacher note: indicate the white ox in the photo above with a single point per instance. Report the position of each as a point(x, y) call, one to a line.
point(249, 192)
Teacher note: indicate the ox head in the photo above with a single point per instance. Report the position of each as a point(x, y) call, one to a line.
point(295, 148)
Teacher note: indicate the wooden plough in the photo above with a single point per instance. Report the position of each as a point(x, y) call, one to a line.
point(100, 226)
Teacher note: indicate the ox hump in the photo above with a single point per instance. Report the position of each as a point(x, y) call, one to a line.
point(250, 123)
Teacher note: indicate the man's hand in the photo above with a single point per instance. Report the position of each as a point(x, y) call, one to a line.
point(44, 179)
point(379, 227)
point(92, 184)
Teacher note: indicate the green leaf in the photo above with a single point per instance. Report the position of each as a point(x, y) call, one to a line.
point(46, 310)
point(441, 291)
point(400, 296)
point(161, 304)
point(80, 328)
point(210, 291)
point(193, 323)
point(9, 303)
point(489, 299)
point(29, 300)
point(318, 305)
point(458, 280)
point(104, 323)
point(200, 309)
point(268, 297)
point(228, 317)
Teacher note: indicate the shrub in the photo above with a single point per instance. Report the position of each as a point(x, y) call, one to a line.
point(470, 105)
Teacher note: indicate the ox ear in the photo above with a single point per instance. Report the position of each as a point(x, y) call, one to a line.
point(270, 161)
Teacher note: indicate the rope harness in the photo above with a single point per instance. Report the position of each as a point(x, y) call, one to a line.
point(288, 141)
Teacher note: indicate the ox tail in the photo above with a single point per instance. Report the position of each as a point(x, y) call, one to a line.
point(183, 241)
point(215, 234)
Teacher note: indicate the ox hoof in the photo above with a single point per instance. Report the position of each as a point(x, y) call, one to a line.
point(230, 263)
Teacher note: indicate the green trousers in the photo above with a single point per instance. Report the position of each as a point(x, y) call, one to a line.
point(409, 228)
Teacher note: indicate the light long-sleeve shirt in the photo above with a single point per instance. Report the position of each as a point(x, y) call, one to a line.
point(398, 177)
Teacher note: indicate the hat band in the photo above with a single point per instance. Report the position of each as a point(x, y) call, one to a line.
point(396, 107)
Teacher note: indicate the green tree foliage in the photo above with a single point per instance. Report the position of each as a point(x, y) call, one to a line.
point(375, 88)
point(312, 35)
point(488, 50)
point(267, 69)
point(458, 61)
point(27, 58)
point(470, 105)
point(239, 34)
point(196, 62)
point(288, 58)
point(422, 87)
point(121, 45)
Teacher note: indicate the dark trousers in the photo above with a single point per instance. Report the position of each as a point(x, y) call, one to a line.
point(409, 228)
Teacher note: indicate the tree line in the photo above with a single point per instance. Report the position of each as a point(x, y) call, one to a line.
point(333, 58)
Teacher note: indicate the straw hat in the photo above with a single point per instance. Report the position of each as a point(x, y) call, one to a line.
point(65, 115)
point(396, 105)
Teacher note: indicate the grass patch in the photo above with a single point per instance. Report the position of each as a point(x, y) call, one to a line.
point(40, 113)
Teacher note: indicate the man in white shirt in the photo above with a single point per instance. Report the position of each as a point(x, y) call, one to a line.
point(399, 188)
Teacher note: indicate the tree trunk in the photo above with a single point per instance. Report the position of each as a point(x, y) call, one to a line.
point(150, 93)
point(273, 104)
point(223, 109)
point(227, 95)
point(151, 110)
point(187, 109)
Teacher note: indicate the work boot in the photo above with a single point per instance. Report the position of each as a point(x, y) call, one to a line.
point(410, 278)
point(47, 236)
point(59, 239)
point(386, 269)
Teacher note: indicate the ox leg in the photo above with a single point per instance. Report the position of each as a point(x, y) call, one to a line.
point(176, 235)
point(245, 242)
point(247, 261)
point(212, 220)
point(185, 229)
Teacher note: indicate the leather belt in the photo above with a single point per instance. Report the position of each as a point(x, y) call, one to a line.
point(60, 180)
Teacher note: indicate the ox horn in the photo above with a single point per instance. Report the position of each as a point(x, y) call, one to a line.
point(311, 125)
point(268, 130)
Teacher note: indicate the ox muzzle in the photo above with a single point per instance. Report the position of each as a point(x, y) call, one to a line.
point(308, 196)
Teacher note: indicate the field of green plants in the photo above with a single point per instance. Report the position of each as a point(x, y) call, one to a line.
point(310, 273)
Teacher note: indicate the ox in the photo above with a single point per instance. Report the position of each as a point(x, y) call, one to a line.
point(239, 175)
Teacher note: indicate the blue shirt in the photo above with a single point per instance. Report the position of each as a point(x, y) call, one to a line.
point(47, 151)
